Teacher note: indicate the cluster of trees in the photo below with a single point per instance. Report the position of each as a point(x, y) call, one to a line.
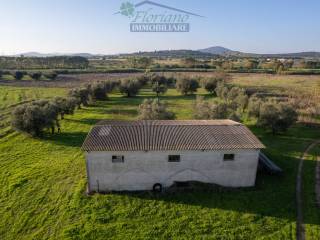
point(159, 84)
point(18, 75)
point(234, 103)
point(153, 109)
point(58, 62)
point(36, 116)
point(247, 64)
point(310, 64)
point(140, 62)
point(91, 92)
point(186, 85)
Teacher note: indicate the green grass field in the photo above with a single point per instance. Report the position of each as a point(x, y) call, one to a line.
point(43, 183)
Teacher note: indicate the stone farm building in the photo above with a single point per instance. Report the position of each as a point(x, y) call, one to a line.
point(140, 155)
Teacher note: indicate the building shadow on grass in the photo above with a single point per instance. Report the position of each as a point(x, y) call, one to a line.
point(273, 196)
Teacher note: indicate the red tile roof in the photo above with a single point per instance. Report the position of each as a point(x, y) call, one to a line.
point(160, 135)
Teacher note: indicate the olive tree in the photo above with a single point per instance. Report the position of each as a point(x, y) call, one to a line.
point(221, 110)
point(159, 84)
point(36, 75)
point(202, 109)
point(277, 117)
point(210, 84)
point(222, 91)
point(18, 75)
point(129, 87)
point(33, 117)
point(187, 85)
point(254, 105)
point(65, 105)
point(99, 91)
point(154, 110)
point(82, 96)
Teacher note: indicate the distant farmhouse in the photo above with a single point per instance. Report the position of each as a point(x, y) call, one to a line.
point(145, 155)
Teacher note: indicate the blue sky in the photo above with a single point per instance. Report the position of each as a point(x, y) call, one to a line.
point(261, 26)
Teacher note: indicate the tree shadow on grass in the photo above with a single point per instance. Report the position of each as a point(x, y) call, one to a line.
point(69, 139)
point(122, 112)
point(88, 121)
point(127, 101)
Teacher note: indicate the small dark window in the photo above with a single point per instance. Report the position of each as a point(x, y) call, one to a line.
point(117, 159)
point(228, 157)
point(174, 158)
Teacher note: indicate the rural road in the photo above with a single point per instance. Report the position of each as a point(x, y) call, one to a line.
point(300, 225)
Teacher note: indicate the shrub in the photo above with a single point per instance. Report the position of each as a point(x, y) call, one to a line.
point(187, 85)
point(154, 110)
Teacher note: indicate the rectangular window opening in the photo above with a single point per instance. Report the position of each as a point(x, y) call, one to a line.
point(118, 159)
point(174, 158)
point(228, 157)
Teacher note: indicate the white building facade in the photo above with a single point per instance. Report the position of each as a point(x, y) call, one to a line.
point(161, 153)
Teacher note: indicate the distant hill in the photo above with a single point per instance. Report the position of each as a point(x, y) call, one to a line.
point(222, 51)
point(218, 51)
point(211, 52)
point(173, 54)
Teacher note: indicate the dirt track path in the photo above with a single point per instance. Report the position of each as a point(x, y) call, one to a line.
point(300, 225)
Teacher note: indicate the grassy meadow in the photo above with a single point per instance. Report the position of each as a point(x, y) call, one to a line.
point(300, 83)
point(43, 183)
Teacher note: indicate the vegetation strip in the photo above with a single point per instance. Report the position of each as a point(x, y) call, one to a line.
point(300, 225)
point(318, 182)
